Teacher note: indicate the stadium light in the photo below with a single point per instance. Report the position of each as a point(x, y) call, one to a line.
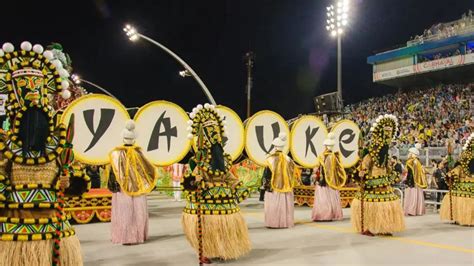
point(337, 17)
point(131, 33)
point(337, 22)
point(134, 35)
point(184, 73)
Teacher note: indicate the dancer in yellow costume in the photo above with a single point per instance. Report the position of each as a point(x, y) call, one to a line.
point(279, 179)
point(376, 209)
point(331, 177)
point(461, 182)
point(131, 179)
point(414, 200)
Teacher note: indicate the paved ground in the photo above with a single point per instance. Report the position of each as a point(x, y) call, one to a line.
point(427, 241)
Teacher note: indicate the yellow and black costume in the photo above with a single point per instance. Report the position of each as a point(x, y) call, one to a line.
point(36, 162)
point(376, 209)
point(211, 219)
point(461, 180)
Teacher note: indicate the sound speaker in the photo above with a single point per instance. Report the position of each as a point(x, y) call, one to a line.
point(326, 103)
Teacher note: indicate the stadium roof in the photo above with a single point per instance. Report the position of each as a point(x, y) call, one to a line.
point(411, 50)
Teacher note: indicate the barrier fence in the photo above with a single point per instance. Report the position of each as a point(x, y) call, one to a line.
point(429, 153)
point(437, 200)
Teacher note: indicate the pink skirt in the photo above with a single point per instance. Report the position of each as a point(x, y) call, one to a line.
point(129, 223)
point(327, 204)
point(279, 209)
point(414, 202)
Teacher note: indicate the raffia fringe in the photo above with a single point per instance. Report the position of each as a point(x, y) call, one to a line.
point(379, 217)
point(224, 236)
point(463, 210)
point(34, 174)
point(39, 253)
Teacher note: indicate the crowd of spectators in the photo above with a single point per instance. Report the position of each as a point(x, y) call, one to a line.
point(436, 56)
point(445, 30)
point(432, 117)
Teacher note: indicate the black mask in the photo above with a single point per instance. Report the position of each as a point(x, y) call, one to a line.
point(34, 131)
point(471, 166)
point(383, 154)
point(217, 157)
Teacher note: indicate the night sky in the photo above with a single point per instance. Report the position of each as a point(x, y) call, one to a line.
point(295, 56)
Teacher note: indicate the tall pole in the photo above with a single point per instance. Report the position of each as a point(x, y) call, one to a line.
point(337, 20)
point(98, 87)
point(249, 57)
point(186, 66)
point(339, 72)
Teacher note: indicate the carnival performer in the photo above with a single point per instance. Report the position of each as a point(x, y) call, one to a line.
point(458, 204)
point(211, 219)
point(176, 175)
point(36, 162)
point(331, 177)
point(134, 177)
point(375, 208)
point(414, 200)
point(279, 179)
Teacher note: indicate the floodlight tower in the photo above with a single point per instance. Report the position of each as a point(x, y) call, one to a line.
point(337, 20)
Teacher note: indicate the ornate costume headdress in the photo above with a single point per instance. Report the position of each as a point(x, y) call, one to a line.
point(31, 61)
point(382, 132)
point(206, 117)
point(208, 127)
point(31, 77)
point(383, 122)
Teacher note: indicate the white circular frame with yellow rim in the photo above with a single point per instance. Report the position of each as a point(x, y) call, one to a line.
point(95, 137)
point(162, 134)
point(235, 133)
point(259, 145)
point(346, 136)
point(307, 136)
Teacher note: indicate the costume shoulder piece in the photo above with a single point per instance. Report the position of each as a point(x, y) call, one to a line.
point(418, 172)
point(133, 172)
point(334, 172)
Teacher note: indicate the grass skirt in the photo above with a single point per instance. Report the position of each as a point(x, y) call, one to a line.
point(379, 217)
point(224, 236)
point(463, 210)
point(39, 253)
